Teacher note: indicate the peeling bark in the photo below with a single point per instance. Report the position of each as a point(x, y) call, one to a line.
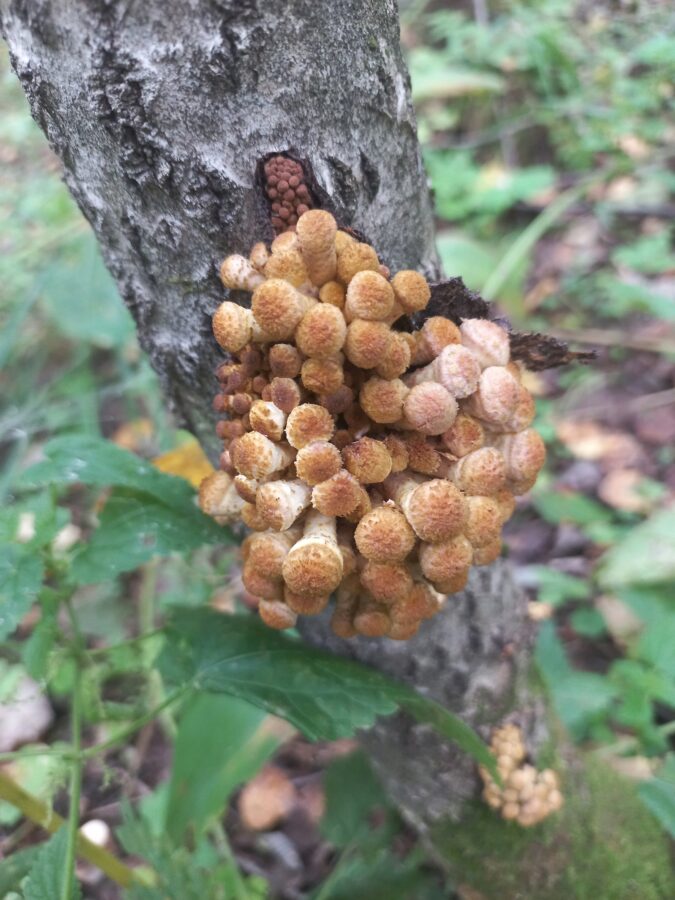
point(160, 112)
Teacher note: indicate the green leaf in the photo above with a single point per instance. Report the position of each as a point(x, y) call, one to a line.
point(82, 459)
point(46, 875)
point(21, 572)
point(325, 696)
point(588, 622)
point(433, 78)
point(558, 587)
point(133, 528)
point(658, 795)
point(14, 869)
point(645, 556)
point(81, 298)
point(559, 506)
point(36, 650)
point(221, 743)
point(580, 698)
point(352, 792)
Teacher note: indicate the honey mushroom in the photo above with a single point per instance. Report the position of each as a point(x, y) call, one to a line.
point(416, 443)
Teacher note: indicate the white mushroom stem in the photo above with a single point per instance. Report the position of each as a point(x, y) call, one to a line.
point(281, 502)
point(456, 368)
point(314, 566)
point(229, 507)
point(400, 487)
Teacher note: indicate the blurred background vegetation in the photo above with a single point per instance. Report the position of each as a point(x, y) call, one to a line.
point(548, 131)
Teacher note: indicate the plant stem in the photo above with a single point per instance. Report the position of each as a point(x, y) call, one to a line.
point(43, 815)
point(537, 228)
point(126, 732)
point(146, 623)
point(75, 787)
point(223, 844)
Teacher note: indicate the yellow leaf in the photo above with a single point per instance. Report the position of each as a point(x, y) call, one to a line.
point(187, 461)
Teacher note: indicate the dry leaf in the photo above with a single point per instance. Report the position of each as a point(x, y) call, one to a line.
point(539, 611)
point(620, 489)
point(621, 621)
point(588, 440)
point(266, 799)
point(136, 435)
point(187, 461)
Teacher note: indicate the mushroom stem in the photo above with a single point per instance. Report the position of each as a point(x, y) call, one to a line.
point(281, 502)
point(314, 566)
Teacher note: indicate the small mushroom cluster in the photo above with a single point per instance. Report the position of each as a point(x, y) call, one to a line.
point(528, 795)
point(372, 463)
point(286, 190)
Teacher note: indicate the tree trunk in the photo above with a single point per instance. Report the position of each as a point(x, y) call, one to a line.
point(160, 112)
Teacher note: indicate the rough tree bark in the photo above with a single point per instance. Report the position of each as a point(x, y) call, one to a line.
point(160, 112)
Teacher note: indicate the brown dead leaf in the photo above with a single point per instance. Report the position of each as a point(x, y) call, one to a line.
point(266, 799)
point(136, 435)
point(621, 621)
point(588, 440)
point(187, 461)
point(620, 489)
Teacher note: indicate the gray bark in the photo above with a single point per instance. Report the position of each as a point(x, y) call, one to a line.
point(160, 112)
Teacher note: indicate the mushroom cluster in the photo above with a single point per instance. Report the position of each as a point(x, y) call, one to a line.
point(528, 795)
point(372, 463)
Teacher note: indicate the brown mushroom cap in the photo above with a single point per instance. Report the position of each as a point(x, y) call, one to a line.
point(309, 422)
point(384, 535)
point(368, 460)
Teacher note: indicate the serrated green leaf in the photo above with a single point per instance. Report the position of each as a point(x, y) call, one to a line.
point(645, 556)
point(134, 527)
point(658, 794)
point(325, 696)
point(46, 875)
point(14, 869)
point(82, 459)
point(21, 572)
point(221, 743)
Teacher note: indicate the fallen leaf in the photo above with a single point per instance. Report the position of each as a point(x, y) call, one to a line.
point(621, 621)
point(539, 611)
point(620, 489)
point(135, 435)
point(187, 461)
point(588, 440)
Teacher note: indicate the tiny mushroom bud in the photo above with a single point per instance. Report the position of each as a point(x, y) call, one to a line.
point(309, 422)
point(238, 274)
point(384, 535)
point(313, 566)
point(387, 582)
point(411, 290)
point(443, 561)
point(480, 472)
point(278, 308)
point(316, 230)
point(268, 419)
point(397, 358)
point(429, 408)
point(368, 460)
point(277, 614)
point(435, 509)
point(369, 296)
point(333, 292)
point(456, 368)
point(339, 401)
point(464, 436)
point(487, 340)
point(281, 502)
point(234, 326)
point(218, 497)
point(436, 333)
point(353, 258)
point(285, 361)
point(322, 332)
point(338, 495)
point(256, 456)
point(288, 265)
point(317, 462)
point(484, 521)
point(366, 343)
point(322, 376)
point(497, 396)
point(382, 400)
point(370, 618)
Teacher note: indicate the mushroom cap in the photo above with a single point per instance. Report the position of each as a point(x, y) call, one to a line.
point(482, 471)
point(231, 326)
point(321, 332)
point(382, 399)
point(411, 290)
point(464, 435)
point(366, 342)
point(436, 510)
point(284, 360)
point(487, 340)
point(384, 535)
point(309, 422)
point(445, 560)
point(368, 460)
point(429, 408)
point(353, 258)
point(317, 462)
point(276, 614)
point(397, 358)
point(484, 520)
point(277, 308)
point(387, 582)
point(322, 376)
point(338, 495)
point(458, 370)
point(369, 296)
point(313, 569)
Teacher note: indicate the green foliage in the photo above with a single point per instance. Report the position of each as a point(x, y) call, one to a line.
point(46, 873)
point(221, 743)
point(325, 696)
point(645, 556)
point(352, 793)
point(658, 794)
